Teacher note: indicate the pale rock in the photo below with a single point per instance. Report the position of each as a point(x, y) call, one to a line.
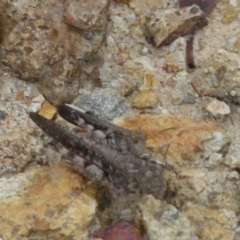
point(218, 108)
point(232, 157)
point(219, 76)
point(214, 142)
point(110, 41)
point(209, 199)
point(120, 24)
point(40, 98)
point(91, 17)
point(204, 188)
point(233, 176)
point(21, 143)
point(164, 221)
point(233, 3)
point(215, 159)
point(34, 107)
point(145, 50)
point(146, 63)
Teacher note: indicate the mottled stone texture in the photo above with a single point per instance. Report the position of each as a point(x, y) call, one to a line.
point(179, 140)
point(92, 15)
point(18, 139)
point(205, 186)
point(105, 103)
point(145, 99)
point(53, 43)
point(218, 109)
point(46, 203)
point(166, 26)
point(202, 188)
point(219, 76)
point(164, 221)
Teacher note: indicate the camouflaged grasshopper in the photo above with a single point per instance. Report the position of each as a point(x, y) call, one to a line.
point(111, 156)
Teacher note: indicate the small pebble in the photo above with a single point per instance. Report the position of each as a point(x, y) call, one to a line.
point(218, 109)
point(233, 176)
point(145, 99)
point(34, 107)
point(234, 3)
point(2, 115)
point(48, 111)
point(40, 98)
point(110, 41)
point(144, 50)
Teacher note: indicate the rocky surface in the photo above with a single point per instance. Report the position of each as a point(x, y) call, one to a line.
point(201, 144)
point(46, 203)
point(177, 227)
point(219, 76)
point(53, 43)
point(164, 27)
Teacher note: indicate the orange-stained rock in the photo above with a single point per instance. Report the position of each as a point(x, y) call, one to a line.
point(46, 203)
point(180, 140)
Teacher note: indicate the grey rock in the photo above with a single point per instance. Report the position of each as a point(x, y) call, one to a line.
point(105, 103)
point(189, 99)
